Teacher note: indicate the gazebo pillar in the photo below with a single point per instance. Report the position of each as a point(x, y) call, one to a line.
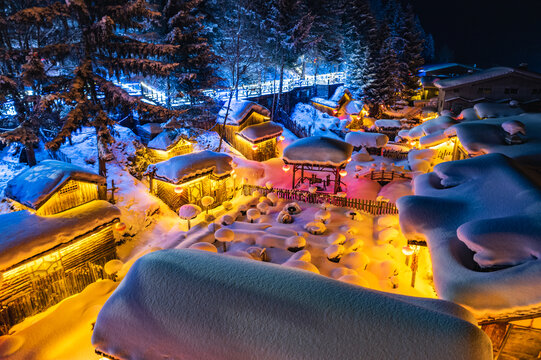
point(293, 177)
point(336, 179)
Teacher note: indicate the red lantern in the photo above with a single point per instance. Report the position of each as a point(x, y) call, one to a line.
point(285, 168)
point(120, 226)
point(254, 147)
point(179, 189)
point(343, 173)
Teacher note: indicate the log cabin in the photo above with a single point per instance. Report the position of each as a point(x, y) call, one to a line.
point(167, 144)
point(185, 179)
point(44, 259)
point(249, 129)
point(343, 106)
point(54, 186)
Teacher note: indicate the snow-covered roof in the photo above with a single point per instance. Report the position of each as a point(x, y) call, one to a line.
point(436, 138)
point(476, 213)
point(354, 107)
point(260, 132)
point(436, 67)
point(338, 93)
point(388, 123)
point(165, 140)
point(199, 305)
point(492, 110)
point(325, 102)
point(491, 73)
point(34, 186)
point(239, 111)
point(182, 167)
point(151, 128)
point(366, 139)
point(429, 127)
point(25, 234)
point(319, 150)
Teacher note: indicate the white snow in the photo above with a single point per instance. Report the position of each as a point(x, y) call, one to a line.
point(180, 303)
point(35, 185)
point(25, 234)
point(491, 110)
point(239, 111)
point(318, 150)
point(514, 127)
point(164, 140)
point(178, 168)
point(366, 139)
point(260, 132)
point(325, 102)
point(388, 124)
point(485, 203)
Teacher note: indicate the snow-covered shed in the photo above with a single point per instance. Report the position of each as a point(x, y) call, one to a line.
point(342, 105)
point(149, 131)
point(167, 144)
point(185, 179)
point(198, 305)
point(54, 186)
point(317, 154)
point(44, 259)
point(249, 130)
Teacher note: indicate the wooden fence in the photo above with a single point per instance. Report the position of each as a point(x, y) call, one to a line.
point(370, 206)
point(292, 126)
point(386, 176)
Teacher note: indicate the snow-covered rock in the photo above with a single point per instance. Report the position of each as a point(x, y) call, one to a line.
point(175, 304)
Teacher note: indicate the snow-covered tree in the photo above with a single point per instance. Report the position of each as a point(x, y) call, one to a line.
point(411, 56)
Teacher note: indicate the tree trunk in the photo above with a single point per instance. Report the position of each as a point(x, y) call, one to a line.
point(102, 169)
point(30, 155)
point(281, 84)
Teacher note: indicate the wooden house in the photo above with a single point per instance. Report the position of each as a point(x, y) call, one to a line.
point(498, 84)
point(249, 129)
point(429, 73)
point(167, 144)
point(54, 186)
point(44, 259)
point(185, 179)
point(343, 106)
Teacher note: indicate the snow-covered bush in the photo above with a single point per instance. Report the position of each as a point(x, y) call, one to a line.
point(284, 217)
point(323, 216)
point(334, 252)
point(273, 198)
point(315, 228)
point(336, 238)
point(355, 260)
point(253, 214)
point(295, 243)
point(204, 246)
point(224, 236)
point(293, 208)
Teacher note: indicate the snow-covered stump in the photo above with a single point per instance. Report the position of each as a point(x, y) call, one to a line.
point(171, 304)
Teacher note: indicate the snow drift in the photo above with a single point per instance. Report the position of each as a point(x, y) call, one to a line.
point(188, 304)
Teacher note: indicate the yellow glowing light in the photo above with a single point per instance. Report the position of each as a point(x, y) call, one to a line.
point(285, 168)
point(255, 147)
point(120, 226)
point(281, 137)
point(407, 250)
point(343, 173)
point(179, 189)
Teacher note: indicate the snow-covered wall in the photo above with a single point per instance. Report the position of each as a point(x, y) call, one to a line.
point(190, 304)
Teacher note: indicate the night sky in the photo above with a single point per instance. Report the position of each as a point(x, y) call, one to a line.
point(484, 32)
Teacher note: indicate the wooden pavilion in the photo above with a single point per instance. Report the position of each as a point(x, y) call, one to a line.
point(317, 154)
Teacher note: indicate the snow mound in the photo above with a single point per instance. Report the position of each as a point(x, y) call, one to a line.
point(239, 111)
point(35, 185)
point(429, 127)
point(179, 168)
point(388, 124)
point(477, 213)
point(318, 150)
point(514, 127)
point(489, 110)
point(366, 139)
point(199, 305)
point(25, 234)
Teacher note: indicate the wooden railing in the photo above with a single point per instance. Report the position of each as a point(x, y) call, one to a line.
point(370, 206)
point(386, 175)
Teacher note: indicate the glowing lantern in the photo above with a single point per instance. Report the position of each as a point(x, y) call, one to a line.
point(254, 147)
point(343, 172)
point(232, 172)
point(407, 250)
point(285, 168)
point(349, 160)
point(120, 226)
point(179, 189)
point(281, 137)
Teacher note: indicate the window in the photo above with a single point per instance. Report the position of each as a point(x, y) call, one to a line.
point(484, 91)
point(69, 188)
point(510, 91)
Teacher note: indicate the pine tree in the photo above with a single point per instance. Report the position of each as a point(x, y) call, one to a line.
point(289, 26)
point(196, 61)
point(412, 55)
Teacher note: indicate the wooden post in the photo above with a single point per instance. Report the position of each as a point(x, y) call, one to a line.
point(414, 266)
point(113, 188)
point(150, 181)
point(336, 179)
point(293, 180)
